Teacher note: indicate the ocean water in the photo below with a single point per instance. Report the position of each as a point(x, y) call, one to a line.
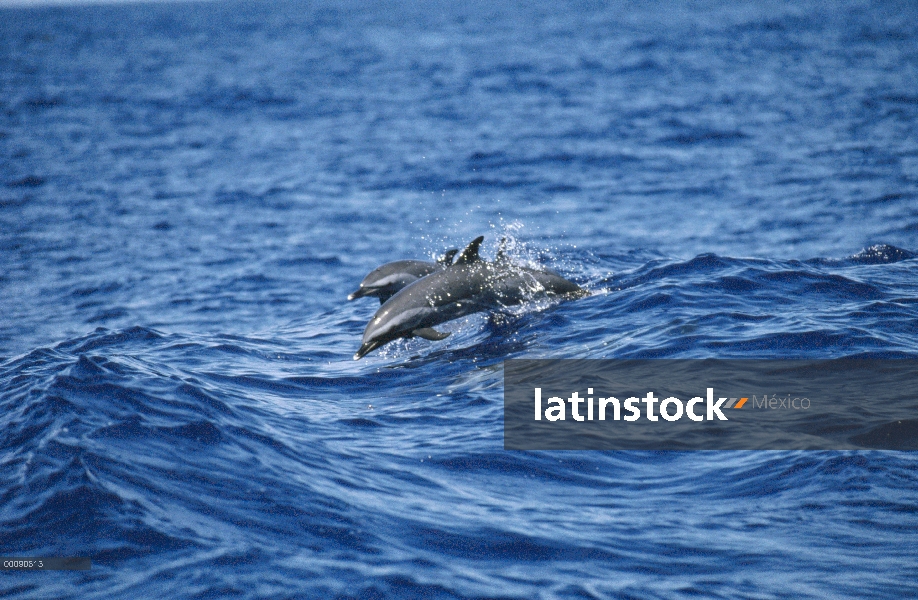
point(188, 193)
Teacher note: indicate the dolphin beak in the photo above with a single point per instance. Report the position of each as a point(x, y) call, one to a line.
point(367, 348)
point(358, 294)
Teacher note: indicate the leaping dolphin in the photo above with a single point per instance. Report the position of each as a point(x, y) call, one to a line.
point(468, 286)
point(383, 282)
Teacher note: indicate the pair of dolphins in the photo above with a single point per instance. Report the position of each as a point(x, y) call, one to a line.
point(418, 295)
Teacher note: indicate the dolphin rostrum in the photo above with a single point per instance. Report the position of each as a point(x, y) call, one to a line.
point(383, 282)
point(468, 286)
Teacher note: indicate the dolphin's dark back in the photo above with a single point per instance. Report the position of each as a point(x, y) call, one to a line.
point(416, 268)
point(384, 281)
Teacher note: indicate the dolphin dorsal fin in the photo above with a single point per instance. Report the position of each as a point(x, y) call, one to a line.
point(470, 254)
point(447, 258)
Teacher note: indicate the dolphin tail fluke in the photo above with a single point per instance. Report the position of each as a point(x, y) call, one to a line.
point(470, 254)
point(447, 258)
point(429, 333)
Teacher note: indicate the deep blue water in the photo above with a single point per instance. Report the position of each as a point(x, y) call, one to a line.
point(188, 192)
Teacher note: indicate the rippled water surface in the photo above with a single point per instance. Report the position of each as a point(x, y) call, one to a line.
point(188, 193)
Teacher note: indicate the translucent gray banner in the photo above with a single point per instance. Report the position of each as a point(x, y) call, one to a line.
point(683, 404)
point(45, 563)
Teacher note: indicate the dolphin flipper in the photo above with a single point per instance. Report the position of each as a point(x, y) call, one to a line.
point(429, 333)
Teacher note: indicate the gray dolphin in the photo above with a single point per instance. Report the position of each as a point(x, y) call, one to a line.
point(468, 286)
point(383, 282)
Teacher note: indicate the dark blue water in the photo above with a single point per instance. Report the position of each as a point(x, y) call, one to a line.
point(188, 193)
